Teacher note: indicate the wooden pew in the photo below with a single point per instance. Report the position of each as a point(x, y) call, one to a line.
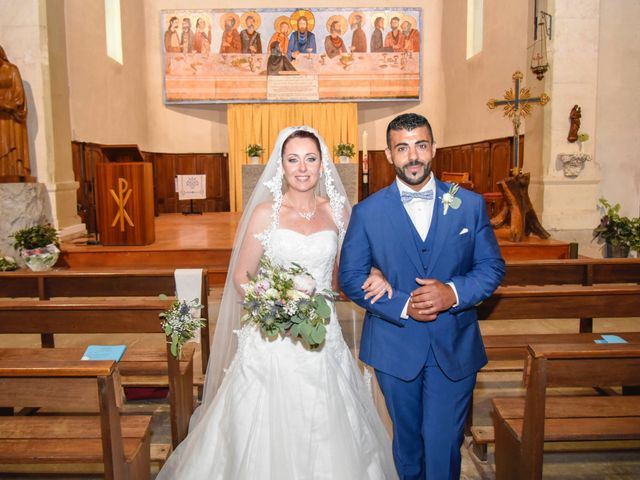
point(92, 283)
point(120, 443)
point(583, 271)
point(557, 302)
point(580, 271)
point(131, 315)
point(553, 302)
point(522, 427)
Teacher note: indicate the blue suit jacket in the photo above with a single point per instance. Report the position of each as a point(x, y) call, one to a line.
point(465, 252)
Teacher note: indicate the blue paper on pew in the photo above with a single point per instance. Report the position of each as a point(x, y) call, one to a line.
point(104, 352)
point(610, 339)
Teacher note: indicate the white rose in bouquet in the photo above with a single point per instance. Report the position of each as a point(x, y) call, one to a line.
point(305, 284)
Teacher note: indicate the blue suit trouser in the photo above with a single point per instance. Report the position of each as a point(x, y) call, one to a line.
point(428, 415)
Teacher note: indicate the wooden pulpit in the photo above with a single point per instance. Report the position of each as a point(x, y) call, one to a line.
point(124, 198)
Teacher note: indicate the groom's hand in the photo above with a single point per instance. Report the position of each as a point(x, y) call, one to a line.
point(431, 298)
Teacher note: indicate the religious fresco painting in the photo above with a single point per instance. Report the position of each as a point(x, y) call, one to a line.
point(278, 55)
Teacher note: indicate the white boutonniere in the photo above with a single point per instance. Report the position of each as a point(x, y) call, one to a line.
point(449, 199)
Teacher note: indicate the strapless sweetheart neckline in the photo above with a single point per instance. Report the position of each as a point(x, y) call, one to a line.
point(307, 235)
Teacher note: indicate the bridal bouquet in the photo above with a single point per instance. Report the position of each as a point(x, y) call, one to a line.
point(284, 301)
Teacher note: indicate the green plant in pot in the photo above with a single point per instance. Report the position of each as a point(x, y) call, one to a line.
point(345, 152)
point(254, 151)
point(38, 246)
point(616, 231)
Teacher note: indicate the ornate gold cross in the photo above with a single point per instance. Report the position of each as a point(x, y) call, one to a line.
point(517, 104)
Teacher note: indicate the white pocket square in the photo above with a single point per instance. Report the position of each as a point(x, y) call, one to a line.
point(463, 231)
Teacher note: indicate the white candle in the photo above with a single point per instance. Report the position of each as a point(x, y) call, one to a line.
point(365, 157)
point(364, 143)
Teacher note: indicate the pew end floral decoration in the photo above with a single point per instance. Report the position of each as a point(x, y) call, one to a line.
point(284, 302)
point(179, 323)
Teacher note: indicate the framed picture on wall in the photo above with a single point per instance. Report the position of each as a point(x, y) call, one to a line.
point(280, 55)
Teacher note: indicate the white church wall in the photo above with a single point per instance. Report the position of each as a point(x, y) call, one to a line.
point(618, 105)
point(108, 100)
point(471, 83)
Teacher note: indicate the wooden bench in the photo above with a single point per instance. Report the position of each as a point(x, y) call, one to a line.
point(583, 271)
point(557, 302)
point(522, 426)
point(93, 283)
point(47, 443)
point(130, 315)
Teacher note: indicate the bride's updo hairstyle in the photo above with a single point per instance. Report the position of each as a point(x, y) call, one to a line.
point(301, 134)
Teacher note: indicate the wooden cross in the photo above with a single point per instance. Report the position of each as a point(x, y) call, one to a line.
point(517, 104)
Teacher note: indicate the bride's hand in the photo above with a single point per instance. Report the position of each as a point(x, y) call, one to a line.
point(376, 286)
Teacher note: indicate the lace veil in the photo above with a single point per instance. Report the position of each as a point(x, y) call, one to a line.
point(270, 187)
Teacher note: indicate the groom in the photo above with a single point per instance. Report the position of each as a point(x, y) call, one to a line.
point(438, 251)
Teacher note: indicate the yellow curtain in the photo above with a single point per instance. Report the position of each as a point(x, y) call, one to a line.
point(261, 123)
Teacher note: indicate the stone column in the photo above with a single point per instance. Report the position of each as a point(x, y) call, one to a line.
point(567, 204)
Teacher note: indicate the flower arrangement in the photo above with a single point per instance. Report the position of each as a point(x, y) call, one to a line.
point(283, 301)
point(617, 231)
point(179, 324)
point(8, 264)
point(344, 150)
point(37, 236)
point(38, 246)
point(254, 150)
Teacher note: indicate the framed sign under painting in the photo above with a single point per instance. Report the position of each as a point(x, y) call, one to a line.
point(280, 55)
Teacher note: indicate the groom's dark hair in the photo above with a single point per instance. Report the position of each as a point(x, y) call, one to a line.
point(407, 121)
point(301, 134)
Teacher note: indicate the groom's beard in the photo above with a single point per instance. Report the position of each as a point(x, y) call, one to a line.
point(411, 179)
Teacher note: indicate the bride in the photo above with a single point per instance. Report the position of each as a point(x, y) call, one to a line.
point(273, 409)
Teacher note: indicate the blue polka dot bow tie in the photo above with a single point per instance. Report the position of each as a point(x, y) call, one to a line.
point(406, 197)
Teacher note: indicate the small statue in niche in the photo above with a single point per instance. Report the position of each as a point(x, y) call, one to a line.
point(574, 117)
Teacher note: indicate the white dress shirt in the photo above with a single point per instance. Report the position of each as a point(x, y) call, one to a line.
point(421, 213)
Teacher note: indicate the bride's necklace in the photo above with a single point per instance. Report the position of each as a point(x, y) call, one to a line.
point(306, 215)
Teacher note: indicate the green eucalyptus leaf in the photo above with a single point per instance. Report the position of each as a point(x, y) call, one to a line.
point(295, 330)
point(318, 334)
point(323, 309)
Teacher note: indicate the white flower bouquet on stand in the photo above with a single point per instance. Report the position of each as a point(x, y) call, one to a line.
point(284, 301)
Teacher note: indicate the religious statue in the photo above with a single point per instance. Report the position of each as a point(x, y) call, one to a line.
point(14, 143)
point(574, 117)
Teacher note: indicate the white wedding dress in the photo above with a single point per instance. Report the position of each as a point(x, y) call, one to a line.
point(284, 412)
